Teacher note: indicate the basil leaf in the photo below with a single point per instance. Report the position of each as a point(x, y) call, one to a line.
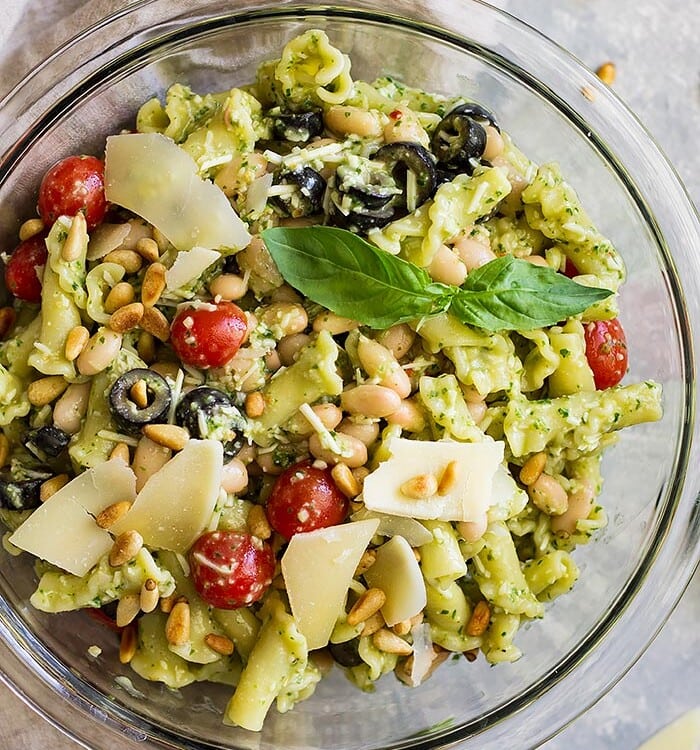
point(343, 272)
point(510, 294)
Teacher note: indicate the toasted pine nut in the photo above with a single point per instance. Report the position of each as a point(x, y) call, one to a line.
point(548, 495)
point(579, 508)
point(126, 318)
point(45, 390)
point(334, 324)
point(374, 401)
point(4, 449)
point(76, 239)
point(147, 248)
point(471, 655)
point(402, 628)
point(122, 293)
point(161, 240)
point(30, 228)
point(409, 416)
point(372, 624)
point(366, 432)
point(532, 468)
point(69, 410)
point(219, 643)
point(353, 451)
point(360, 473)
point(149, 595)
point(7, 320)
point(234, 477)
point(155, 323)
point(121, 451)
point(127, 609)
point(153, 284)
point(449, 478)
point(258, 524)
point(99, 352)
point(112, 513)
point(479, 621)
point(177, 628)
point(76, 341)
point(125, 548)
point(420, 487)
point(128, 643)
point(387, 641)
point(607, 73)
point(289, 346)
point(138, 393)
point(146, 347)
point(472, 531)
point(167, 603)
point(229, 287)
point(168, 435)
point(254, 404)
point(369, 602)
point(51, 486)
point(129, 260)
point(367, 560)
point(345, 481)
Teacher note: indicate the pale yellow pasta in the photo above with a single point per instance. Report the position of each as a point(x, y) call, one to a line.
point(541, 361)
point(445, 403)
point(573, 373)
point(551, 575)
point(99, 282)
point(240, 625)
point(498, 643)
point(70, 273)
point(441, 558)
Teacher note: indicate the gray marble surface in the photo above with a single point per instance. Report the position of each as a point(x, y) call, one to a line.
point(653, 44)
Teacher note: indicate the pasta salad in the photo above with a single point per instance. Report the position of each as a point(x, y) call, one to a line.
point(312, 371)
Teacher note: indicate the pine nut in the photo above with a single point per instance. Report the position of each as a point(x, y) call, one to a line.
point(607, 73)
point(334, 324)
point(219, 643)
point(471, 655)
point(402, 628)
point(367, 560)
point(120, 451)
point(532, 468)
point(126, 318)
point(76, 341)
point(167, 603)
point(153, 284)
point(146, 347)
point(155, 323)
point(100, 352)
point(177, 628)
point(353, 451)
point(387, 641)
point(372, 624)
point(127, 609)
point(45, 390)
point(112, 513)
point(168, 435)
point(258, 524)
point(345, 481)
point(69, 410)
point(125, 548)
point(228, 287)
point(121, 294)
point(7, 320)
point(4, 449)
point(147, 248)
point(537, 260)
point(76, 239)
point(234, 477)
point(420, 487)
point(548, 495)
point(149, 596)
point(479, 620)
point(129, 260)
point(128, 643)
point(254, 404)
point(30, 228)
point(51, 486)
point(373, 401)
point(370, 602)
point(138, 393)
point(449, 478)
point(160, 239)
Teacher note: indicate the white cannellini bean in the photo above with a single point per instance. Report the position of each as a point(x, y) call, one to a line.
point(229, 287)
point(284, 318)
point(494, 143)
point(447, 267)
point(353, 451)
point(149, 457)
point(409, 416)
point(99, 352)
point(472, 531)
point(398, 339)
point(334, 324)
point(69, 410)
point(234, 477)
point(473, 254)
point(289, 346)
point(344, 120)
point(365, 432)
point(380, 363)
point(579, 508)
point(405, 127)
point(373, 401)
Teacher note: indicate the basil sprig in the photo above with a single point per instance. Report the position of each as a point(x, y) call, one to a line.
point(344, 273)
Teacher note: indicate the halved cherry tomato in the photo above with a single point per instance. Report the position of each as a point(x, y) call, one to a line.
point(570, 269)
point(74, 184)
point(208, 335)
point(606, 351)
point(24, 269)
point(231, 569)
point(305, 498)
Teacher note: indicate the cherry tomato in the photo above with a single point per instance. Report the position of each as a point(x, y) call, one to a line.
point(24, 268)
point(305, 498)
point(208, 336)
point(570, 269)
point(74, 184)
point(606, 351)
point(231, 569)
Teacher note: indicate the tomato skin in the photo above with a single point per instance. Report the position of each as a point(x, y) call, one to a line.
point(74, 184)
point(21, 277)
point(231, 569)
point(206, 337)
point(305, 498)
point(606, 352)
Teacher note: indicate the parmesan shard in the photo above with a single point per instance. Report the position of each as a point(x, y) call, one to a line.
point(466, 500)
point(157, 180)
point(63, 531)
point(176, 503)
point(317, 568)
point(397, 573)
point(188, 266)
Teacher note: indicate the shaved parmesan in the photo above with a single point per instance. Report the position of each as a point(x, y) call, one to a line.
point(318, 567)
point(188, 266)
point(397, 573)
point(151, 176)
point(256, 196)
point(466, 500)
point(423, 654)
point(411, 530)
point(176, 503)
point(63, 531)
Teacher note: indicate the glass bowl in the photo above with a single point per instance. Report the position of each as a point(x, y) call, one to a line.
point(632, 575)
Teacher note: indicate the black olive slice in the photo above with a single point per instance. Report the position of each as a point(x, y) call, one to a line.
point(402, 156)
point(297, 127)
point(20, 494)
point(46, 442)
point(477, 112)
point(361, 222)
point(209, 414)
point(346, 654)
point(128, 415)
point(306, 199)
point(457, 140)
